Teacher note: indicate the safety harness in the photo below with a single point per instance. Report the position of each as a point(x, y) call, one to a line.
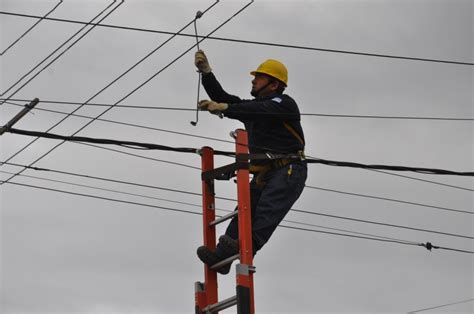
point(278, 161)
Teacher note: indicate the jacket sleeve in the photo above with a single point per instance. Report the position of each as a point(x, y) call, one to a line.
point(215, 91)
point(279, 107)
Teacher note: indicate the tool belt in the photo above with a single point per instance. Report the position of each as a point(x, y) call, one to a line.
point(261, 170)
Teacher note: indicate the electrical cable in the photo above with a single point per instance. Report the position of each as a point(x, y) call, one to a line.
point(57, 49)
point(257, 114)
point(145, 82)
point(111, 83)
point(235, 40)
point(234, 200)
point(391, 200)
point(230, 142)
point(427, 245)
point(31, 28)
point(187, 203)
point(440, 306)
point(267, 156)
point(382, 223)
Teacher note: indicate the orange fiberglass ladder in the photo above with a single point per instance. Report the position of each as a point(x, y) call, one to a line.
point(206, 300)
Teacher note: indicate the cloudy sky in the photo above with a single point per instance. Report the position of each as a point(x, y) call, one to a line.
point(65, 253)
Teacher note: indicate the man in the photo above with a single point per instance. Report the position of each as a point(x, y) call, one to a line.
point(272, 120)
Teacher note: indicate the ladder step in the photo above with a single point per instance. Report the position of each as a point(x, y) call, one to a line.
point(223, 218)
point(222, 305)
point(225, 261)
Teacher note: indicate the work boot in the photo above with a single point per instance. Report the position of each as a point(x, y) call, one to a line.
point(228, 246)
point(210, 258)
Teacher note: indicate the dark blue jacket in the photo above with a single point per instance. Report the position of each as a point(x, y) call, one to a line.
point(264, 118)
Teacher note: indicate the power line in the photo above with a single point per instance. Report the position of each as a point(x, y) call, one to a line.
point(262, 113)
point(57, 49)
point(235, 40)
point(110, 84)
point(145, 82)
point(424, 180)
point(427, 245)
point(382, 224)
point(440, 306)
point(31, 28)
point(133, 125)
point(187, 203)
point(227, 199)
point(267, 156)
point(222, 141)
point(391, 200)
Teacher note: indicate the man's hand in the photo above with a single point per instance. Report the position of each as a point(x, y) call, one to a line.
point(200, 60)
point(212, 106)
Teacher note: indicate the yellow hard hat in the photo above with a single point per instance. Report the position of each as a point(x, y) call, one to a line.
point(273, 68)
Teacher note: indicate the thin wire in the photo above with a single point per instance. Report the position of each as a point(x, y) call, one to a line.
point(31, 28)
point(391, 200)
point(377, 239)
point(189, 204)
point(142, 84)
point(440, 306)
point(256, 42)
point(103, 198)
point(381, 223)
point(423, 180)
point(135, 125)
point(274, 114)
point(108, 85)
point(59, 55)
point(198, 194)
point(283, 226)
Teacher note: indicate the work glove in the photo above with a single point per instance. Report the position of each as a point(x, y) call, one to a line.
point(200, 60)
point(212, 106)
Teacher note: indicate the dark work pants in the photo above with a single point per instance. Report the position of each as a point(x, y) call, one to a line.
point(272, 202)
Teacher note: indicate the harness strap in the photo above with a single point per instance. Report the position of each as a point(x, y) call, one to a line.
point(293, 132)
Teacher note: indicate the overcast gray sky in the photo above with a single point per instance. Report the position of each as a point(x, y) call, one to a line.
point(62, 253)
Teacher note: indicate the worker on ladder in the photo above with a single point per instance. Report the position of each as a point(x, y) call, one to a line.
point(272, 120)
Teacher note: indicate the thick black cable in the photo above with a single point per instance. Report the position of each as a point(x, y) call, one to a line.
point(31, 28)
point(57, 49)
point(256, 114)
point(230, 142)
point(426, 245)
point(110, 84)
point(312, 160)
point(235, 40)
point(391, 200)
point(227, 199)
point(151, 146)
point(142, 84)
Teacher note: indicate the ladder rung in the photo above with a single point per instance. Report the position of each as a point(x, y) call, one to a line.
point(225, 261)
point(223, 218)
point(222, 305)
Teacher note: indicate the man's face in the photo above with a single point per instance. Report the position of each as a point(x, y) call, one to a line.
point(260, 81)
